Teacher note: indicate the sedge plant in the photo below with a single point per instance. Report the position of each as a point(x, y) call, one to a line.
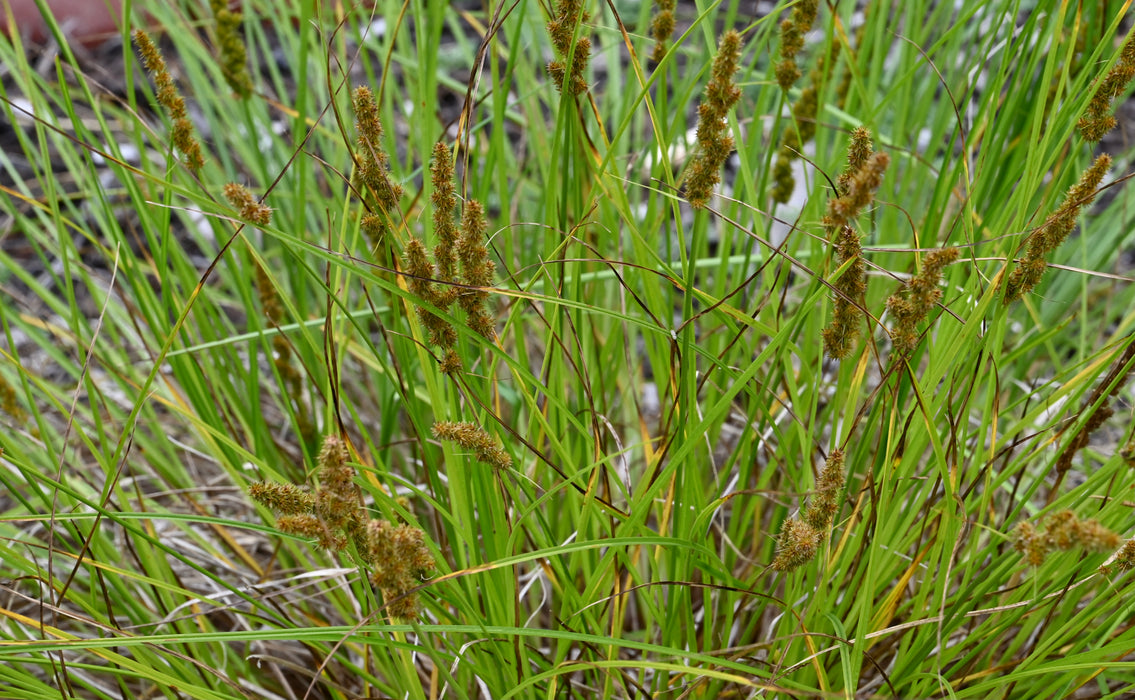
point(450, 350)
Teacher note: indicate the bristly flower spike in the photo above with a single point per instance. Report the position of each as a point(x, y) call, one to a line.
point(285, 499)
point(476, 270)
point(397, 555)
point(182, 134)
point(444, 200)
point(824, 504)
point(471, 437)
point(1124, 559)
point(234, 56)
point(714, 142)
point(858, 151)
point(1098, 119)
point(373, 164)
point(243, 201)
point(1055, 230)
point(841, 334)
point(1062, 531)
point(913, 301)
point(400, 561)
point(800, 537)
point(792, 33)
point(797, 545)
point(661, 27)
point(421, 272)
point(561, 29)
point(802, 129)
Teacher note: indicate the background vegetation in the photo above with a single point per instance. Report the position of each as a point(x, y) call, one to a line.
point(656, 389)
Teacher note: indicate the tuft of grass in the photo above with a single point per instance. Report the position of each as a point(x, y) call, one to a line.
point(586, 440)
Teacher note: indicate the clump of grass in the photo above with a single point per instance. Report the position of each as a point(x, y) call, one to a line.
point(714, 141)
point(913, 301)
point(397, 555)
point(1055, 229)
point(567, 71)
point(1098, 119)
point(1061, 531)
point(801, 537)
point(182, 133)
point(649, 414)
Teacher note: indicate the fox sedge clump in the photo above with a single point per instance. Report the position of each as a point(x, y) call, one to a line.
point(623, 469)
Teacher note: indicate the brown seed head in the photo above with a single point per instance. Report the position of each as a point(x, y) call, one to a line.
point(796, 546)
point(471, 437)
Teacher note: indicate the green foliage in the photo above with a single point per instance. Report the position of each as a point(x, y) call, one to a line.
point(587, 440)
